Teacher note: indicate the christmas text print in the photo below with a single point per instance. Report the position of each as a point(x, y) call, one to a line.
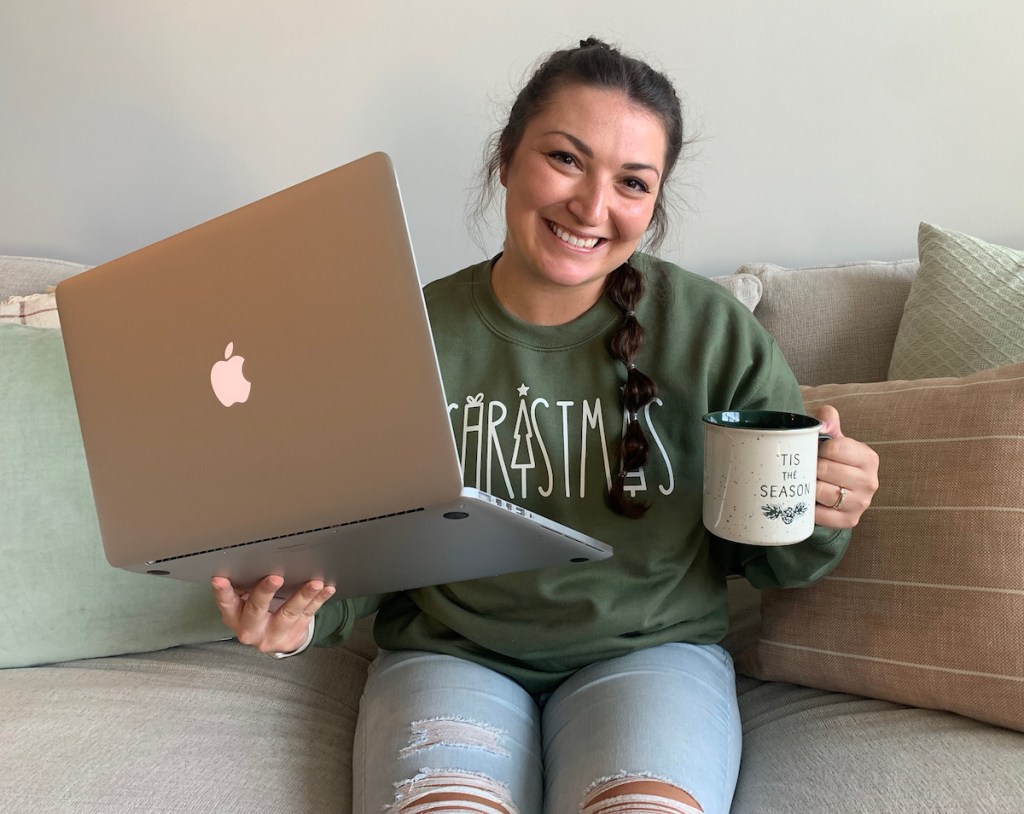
point(496, 442)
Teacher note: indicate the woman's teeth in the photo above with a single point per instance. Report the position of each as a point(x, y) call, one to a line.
point(572, 240)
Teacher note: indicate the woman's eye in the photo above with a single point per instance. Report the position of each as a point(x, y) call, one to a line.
point(637, 185)
point(562, 158)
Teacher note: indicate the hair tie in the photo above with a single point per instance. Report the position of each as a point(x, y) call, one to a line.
point(630, 365)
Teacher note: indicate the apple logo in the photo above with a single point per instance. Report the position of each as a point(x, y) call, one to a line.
point(229, 383)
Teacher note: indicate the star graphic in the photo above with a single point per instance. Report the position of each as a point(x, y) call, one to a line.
point(523, 390)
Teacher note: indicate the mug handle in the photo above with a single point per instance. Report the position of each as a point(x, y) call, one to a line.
point(824, 436)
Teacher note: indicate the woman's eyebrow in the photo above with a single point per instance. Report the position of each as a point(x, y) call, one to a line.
point(639, 167)
point(585, 149)
point(579, 145)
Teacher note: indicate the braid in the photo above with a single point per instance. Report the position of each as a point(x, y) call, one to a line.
point(626, 288)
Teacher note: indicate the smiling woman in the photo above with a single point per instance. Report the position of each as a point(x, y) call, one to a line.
point(590, 143)
point(581, 191)
point(485, 690)
point(581, 188)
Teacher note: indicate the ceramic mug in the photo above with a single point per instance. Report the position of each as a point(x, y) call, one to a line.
point(760, 470)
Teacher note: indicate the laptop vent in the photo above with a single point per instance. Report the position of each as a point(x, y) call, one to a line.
point(283, 536)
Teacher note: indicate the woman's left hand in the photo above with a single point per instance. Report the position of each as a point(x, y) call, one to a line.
point(847, 475)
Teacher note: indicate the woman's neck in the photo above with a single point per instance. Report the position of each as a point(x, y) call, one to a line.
point(541, 302)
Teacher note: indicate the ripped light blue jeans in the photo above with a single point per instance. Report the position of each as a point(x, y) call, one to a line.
point(433, 726)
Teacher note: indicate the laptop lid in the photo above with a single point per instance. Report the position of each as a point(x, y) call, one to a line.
point(266, 375)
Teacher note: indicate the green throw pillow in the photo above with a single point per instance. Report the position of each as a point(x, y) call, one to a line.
point(61, 600)
point(965, 310)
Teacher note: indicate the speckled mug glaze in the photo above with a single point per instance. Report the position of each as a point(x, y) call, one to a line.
point(760, 468)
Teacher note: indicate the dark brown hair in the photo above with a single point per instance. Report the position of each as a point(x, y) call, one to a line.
point(596, 64)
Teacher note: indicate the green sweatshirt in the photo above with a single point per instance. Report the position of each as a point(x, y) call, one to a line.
point(537, 417)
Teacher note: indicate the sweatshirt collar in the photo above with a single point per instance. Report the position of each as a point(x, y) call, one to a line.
point(592, 323)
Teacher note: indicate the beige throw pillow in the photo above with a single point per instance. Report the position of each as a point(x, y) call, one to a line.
point(927, 606)
point(965, 310)
point(834, 323)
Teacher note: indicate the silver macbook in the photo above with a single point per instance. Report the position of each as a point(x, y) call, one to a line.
point(260, 395)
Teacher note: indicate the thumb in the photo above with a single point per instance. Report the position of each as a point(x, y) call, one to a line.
point(829, 418)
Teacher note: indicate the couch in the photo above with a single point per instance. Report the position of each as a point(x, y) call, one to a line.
point(117, 698)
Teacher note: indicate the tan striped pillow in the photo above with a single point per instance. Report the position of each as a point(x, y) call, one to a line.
point(927, 607)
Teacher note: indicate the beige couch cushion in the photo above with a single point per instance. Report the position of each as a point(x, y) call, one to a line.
point(927, 606)
point(965, 311)
point(204, 728)
point(808, 751)
point(834, 323)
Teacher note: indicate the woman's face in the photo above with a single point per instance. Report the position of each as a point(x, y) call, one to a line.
point(580, 193)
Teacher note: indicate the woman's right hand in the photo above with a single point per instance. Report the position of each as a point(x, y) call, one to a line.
point(268, 624)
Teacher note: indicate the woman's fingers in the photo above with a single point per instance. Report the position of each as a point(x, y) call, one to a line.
point(262, 620)
point(847, 475)
point(228, 601)
point(258, 603)
point(305, 602)
point(290, 623)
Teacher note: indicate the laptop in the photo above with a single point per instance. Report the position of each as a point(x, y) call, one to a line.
point(260, 395)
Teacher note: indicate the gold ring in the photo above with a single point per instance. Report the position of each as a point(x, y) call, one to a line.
point(843, 492)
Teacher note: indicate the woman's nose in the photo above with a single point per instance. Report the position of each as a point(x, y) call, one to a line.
point(589, 203)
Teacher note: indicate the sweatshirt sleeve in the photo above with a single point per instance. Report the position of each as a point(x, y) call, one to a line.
point(336, 618)
point(798, 564)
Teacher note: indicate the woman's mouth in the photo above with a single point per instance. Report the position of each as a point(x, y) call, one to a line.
point(576, 241)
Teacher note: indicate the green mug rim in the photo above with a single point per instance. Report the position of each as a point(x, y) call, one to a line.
point(762, 420)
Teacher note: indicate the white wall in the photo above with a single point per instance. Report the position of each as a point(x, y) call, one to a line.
point(828, 129)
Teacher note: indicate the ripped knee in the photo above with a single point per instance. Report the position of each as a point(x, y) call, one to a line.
point(445, 790)
point(635, 795)
point(454, 731)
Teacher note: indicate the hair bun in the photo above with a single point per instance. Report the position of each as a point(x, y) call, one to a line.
point(593, 42)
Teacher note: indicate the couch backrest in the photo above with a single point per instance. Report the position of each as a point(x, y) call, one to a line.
point(21, 276)
point(834, 324)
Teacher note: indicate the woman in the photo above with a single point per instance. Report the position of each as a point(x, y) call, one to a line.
point(601, 687)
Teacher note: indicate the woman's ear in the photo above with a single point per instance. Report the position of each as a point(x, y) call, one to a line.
point(503, 174)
